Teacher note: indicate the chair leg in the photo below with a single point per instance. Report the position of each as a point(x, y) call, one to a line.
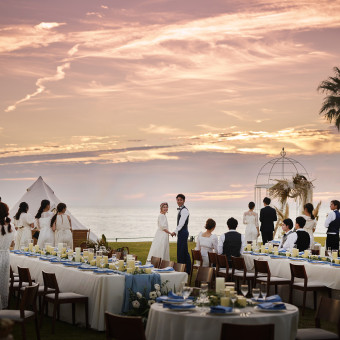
point(23, 330)
point(329, 292)
point(73, 313)
point(315, 299)
point(304, 302)
point(58, 313)
point(37, 327)
point(291, 294)
point(87, 314)
point(55, 307)
point(275, 289)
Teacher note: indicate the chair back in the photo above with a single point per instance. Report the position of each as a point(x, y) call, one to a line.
point(11, 275)
point(298, 271)
point(315, 251)
point(196, 256)
point(165, 263)
point(255, 332)
point(261, 267)
point(120, 327)
point(222, 261)
point(212, 259)
point(50, 281)
point(156, 261)
point(29, 299)
point(204, 274)
point(79, 236)
point(180, 267)
point(238, 263)
point(328, 310)
point(24, 276)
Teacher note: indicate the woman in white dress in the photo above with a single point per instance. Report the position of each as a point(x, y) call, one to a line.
point(251, 220)
point(62, 226)
point(207, 241)
point(6, 238)
point(43, 224)
point(310, 225)
point(160, 243)
point(24, 224)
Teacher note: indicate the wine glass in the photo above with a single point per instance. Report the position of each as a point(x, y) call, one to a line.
point(186, 292)
point(204, 290)
point(102, 262)
point(264, 290)
point(233, 298)
point(70, 255)
point(244, 290)
point(256, 293)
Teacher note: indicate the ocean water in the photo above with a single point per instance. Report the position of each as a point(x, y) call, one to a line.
point(130, 224)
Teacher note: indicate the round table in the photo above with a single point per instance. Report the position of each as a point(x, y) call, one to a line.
point(168, 324)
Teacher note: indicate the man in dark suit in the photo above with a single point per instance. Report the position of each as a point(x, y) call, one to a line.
point(267, 218)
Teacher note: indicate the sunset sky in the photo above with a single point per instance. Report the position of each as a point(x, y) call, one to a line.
point(127, 103)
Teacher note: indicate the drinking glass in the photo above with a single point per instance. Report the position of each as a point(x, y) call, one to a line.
point(256, 293)
point(22, 246)
point(264, 290)
point(59, 255)
point(230, 285)
point(102, 262)
point(233, 299)
point(70, 256)
point(186, 292)
point(244, 290)
point(85, 255)
point(204, 290)
point(148, 262)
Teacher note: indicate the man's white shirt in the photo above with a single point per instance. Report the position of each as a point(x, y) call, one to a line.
point(221, 241)
point(184, 215)
point(290, 241)
point(330, 218)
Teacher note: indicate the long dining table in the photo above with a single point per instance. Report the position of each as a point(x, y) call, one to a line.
point(105, 292)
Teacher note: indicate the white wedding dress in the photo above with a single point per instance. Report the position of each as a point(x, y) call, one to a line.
point(46, 233)
point(252, 223)
point(24, 232)
point(63, 232)
point(205, 245)
point(160, 243)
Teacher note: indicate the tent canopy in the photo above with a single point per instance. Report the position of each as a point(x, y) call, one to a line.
point(39, 191)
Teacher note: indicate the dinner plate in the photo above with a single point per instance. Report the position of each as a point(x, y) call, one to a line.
point(258, 309)
point(181, 309)
point(234, 312)
point(176, 301)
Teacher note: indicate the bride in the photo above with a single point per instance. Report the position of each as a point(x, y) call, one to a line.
point(160, 244)
point(251, 220)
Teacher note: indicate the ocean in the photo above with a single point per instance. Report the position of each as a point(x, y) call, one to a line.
point(131, 224)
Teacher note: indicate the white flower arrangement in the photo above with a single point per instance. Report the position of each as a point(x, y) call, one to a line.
point(139, 295)
point(157, 287)
point(150, 302)
point(135, 304)
point(153, 295)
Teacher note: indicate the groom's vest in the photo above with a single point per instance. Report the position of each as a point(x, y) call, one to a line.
point(232, 244)
point(303, 240)
point(185, 227)
point(334, 226)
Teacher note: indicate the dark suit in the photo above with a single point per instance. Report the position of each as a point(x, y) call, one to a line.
point(267, 218)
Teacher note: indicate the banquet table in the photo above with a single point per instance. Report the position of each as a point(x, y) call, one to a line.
point(325, 274)
point(168, 324)
point(105, 292)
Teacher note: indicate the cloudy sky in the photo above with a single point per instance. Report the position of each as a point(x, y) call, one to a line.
point(130, 102)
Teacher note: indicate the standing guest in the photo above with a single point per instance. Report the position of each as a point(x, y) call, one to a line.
point(310, 225)
point(303, 238)
point(160, 244)
point(6, 238)
point(267, 218)
point(232, 243)
point(332, 224)
point(207, 241)
point(24, 223)
point(43, 223)
point(62, 226)
point(289, 238)
point(251, 220)
point(182, 233)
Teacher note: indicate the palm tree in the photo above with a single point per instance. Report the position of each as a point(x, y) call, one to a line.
point(331, 104)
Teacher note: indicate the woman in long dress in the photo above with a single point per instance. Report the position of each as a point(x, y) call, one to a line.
point(207, 241)
point(160, 243)
point(251, 220)
point(43, 223)
point(6, 238)
point(310, 225)
point(24, 223)
point(62, 226)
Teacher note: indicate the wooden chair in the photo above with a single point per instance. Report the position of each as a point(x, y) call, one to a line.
point(204, 274)
point(196, 256)
point(239, 272)
point(299, 271)
point(58, 298)
point(79, 236)
point(119, 255)
point(315, 251)
point(14, 284)
point(180, 267)
point(120, 327)
point(28, 301)
point(328, 310)
point(156, 261)
point(165, 264)
point(223, 268)
point(254, 332)
point(262, 267)
point(213, 263)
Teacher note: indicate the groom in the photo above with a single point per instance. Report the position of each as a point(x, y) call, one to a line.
point(182, 233)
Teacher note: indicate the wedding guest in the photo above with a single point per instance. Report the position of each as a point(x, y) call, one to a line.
point(24, 223)
point(207, 241)
point(62, 226)
point(251, 220)
point(160, 243)
point(332, 224)
point(267, 218)
point(310, 225)
point(289, 238)
point(303, 238)
point(43, 223)
point(6, 238)
point(232, 243)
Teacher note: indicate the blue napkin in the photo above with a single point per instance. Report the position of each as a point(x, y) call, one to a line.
point(87, 267)
point(147, 266)
point(220, 309)
point(181, 306)
point(276, 256)
point(167, 269)
point(273, 298)
point(45, 258)
point(72, 264)
point(318, 262)
point(103, 271)
point(172, 295)
point(272, 306)
point(335, 265)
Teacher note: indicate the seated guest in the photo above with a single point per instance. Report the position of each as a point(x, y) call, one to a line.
point(289, 237)
point(232, 243)
point(303, 238)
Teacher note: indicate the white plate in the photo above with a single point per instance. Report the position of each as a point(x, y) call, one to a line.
point(258, 309)
point(182, 309)
point(235, 312)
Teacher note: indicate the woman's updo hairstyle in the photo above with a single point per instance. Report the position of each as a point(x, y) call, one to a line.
point(210, 224)
point(4, 212)
point(60, 208)
point(251, 205)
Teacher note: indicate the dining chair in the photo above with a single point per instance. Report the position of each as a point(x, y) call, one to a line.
point(79, 236)
point(223, 268)
point(243, 332)
point(14, 284)
point(262, 267)
point(213, 263)
point(120, 327)
point(156, 261)
point(24, 313)
point(180, 267)
point(165, 263)
point(204, 274)
point(119, 255)
point(299, 272)
point(240, 273)
point(329, 311)
point(58, 298)
point(196, 256)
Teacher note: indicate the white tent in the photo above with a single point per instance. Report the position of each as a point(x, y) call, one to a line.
point(39, 191)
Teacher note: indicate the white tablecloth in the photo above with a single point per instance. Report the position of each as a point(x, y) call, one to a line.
point(105, 292)
point(167, 324)
point(322, 273)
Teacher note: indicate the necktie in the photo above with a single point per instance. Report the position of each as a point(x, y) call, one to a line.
point(284, 238)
